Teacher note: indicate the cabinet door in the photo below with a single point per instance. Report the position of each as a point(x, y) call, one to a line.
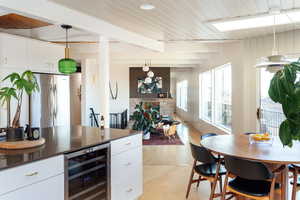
point(44, 56)
point(13, 51)
point(50, 189)
point(125, 165)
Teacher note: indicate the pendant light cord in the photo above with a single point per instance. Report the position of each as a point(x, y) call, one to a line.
point(274, 36)
point(67, 38)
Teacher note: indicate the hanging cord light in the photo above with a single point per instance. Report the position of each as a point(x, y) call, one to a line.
point(146, 67)
point(67, 65)
point(274, 50)
point(150, 73)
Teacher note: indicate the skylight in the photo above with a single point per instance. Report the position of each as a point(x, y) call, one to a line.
point(257, 21)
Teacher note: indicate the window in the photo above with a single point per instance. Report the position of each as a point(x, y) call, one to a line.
point(215, 96)
point(271, 114)
point(181, 96)
point(206, 95)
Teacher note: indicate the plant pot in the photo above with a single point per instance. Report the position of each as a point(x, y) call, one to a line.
point(15, 134)
point(146, 136)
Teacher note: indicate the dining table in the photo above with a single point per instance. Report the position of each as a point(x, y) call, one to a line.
point(238, 145)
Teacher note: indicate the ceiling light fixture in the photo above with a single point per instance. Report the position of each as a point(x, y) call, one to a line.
point(146, 67)
point(274, 62)
point(67, 65)
point(257, 21)
point(147, 6)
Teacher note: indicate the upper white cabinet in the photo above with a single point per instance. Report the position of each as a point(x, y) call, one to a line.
point(44, 56)
point(13, 51)
point(24, 53)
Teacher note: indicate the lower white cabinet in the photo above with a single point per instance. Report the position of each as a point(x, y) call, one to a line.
point(38, 180)
point(127, 171)
point(50, 189)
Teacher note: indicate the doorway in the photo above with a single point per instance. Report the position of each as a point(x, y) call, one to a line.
point(269, 113)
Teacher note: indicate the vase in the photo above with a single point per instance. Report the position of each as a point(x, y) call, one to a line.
point(146, 136)
point(15, 134)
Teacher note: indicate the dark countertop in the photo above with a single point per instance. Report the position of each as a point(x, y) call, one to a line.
point(60, 140)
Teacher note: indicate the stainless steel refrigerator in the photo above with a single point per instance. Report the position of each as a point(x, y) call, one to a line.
point(52, 105)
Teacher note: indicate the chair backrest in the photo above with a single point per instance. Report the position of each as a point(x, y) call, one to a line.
point(249, 133)
point(206, 135)
point(247, 169)
point(202, 155)
point(172, 130)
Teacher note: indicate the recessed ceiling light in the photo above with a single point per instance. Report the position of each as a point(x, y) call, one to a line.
point(147, 6)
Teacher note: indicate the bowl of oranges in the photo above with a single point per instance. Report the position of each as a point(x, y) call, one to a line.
point(261, 138)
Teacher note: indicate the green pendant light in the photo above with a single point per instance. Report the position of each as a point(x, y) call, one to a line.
point(67, 65)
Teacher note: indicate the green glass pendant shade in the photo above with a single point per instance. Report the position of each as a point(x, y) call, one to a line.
point(67, 66)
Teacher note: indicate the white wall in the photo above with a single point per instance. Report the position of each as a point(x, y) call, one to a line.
point(88, 56)
point(231, 52)
point(119, 74)
point(243, 56)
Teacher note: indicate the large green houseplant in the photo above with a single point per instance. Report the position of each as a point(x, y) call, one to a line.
point(19, 84)
point(145, 118)
point(285, 89)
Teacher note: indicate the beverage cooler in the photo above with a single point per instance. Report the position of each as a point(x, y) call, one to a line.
point(87, 176)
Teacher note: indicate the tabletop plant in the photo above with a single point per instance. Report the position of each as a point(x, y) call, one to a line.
point(285, 89)
point(19, 84)
point(144, 118)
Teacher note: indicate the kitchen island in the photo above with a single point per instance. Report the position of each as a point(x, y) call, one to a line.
point(42, 173)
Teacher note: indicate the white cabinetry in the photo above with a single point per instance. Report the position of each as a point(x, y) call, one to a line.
point(44, 56)
point(50, 189)
point(127, 168)
point(35, 181)
point(13, 51)
point(20, 53)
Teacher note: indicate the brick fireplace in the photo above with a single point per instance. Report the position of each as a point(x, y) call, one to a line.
point(167, 105)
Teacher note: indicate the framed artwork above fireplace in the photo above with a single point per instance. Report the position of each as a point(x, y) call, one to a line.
point(155, 87)
point(137, 88)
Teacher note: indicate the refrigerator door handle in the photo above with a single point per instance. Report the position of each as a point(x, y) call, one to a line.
point(55, 101)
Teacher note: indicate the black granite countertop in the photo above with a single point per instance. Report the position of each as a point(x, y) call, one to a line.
point(61, 140)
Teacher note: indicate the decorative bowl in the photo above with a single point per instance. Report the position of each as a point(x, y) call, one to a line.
point(261, 138)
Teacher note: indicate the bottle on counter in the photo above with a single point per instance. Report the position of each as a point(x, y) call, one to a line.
point(102, 122)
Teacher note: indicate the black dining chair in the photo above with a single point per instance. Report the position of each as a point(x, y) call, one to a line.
point(249, 133)
point(250, 179)
point(208, 167)
point(295, 169)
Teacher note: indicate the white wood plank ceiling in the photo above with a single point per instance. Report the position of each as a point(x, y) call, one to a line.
point(180, 19)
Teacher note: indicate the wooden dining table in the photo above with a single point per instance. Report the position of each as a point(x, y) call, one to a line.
point(238, 145)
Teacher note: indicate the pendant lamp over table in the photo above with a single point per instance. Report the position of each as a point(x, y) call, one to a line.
point(67, 65)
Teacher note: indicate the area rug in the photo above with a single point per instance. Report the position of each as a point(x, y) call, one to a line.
point(158, 139)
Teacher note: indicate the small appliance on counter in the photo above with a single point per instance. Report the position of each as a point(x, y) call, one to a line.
point(32, 133)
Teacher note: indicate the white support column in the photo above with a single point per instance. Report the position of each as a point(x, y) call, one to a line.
point(104, 78)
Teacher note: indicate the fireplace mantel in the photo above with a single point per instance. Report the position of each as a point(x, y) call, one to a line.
point(167, 105)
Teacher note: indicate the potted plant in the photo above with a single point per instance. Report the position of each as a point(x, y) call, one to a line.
point(145, 119)
point(285, 89)
point(19, 84)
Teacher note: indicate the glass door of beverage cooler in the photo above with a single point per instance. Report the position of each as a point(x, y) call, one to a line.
point(88, 172)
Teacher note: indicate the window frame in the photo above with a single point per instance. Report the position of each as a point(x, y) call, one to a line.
point(212, 121)
point(180, 102)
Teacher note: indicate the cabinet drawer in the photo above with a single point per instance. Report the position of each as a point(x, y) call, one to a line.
point(127, 175)
point(30, 173)
point(124, 144)
point(49, 189)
